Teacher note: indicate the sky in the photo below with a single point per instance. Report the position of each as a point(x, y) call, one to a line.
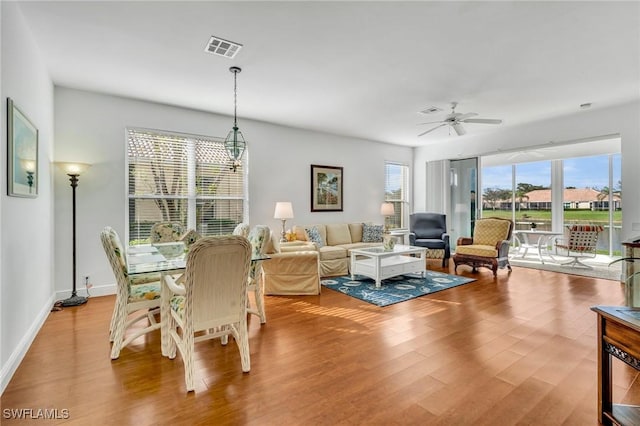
point(583, 172)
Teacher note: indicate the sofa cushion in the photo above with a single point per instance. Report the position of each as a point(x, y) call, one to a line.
point(430, 243)
point(477, 250)
point(356, 232)
point(371, 233)
point(338, 233)
point(332, 252)
point(313, 235)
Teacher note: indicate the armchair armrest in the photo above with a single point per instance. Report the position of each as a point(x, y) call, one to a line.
point(503, 248)
point(412, 238)
point(445, 238)
point(174, 285)
point(464, 241)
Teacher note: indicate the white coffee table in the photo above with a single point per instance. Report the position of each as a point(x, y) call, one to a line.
point(380, 264)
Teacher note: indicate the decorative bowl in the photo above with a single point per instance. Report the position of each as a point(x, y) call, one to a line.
point(170, 250)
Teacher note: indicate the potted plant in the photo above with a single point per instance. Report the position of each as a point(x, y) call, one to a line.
point(533, 226)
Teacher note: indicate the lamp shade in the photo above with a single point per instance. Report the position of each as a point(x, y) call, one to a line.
point(284, 210)
point(29, 166)
point(73, 168)
point(387, 209)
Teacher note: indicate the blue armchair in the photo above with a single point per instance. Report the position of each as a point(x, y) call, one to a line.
point(430, 230)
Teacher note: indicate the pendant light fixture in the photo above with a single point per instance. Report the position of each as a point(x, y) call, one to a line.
point(235, 143)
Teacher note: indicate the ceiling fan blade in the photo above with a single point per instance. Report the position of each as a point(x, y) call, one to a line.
point(429, 122)
point(483, 121)
point(463, 117)
point(431, 130)
point(459, 129)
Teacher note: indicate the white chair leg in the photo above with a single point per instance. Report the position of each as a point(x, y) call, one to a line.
point(118, 334)
point(242, 339)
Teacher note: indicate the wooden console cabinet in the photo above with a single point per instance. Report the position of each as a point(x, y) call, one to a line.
point(618, 336)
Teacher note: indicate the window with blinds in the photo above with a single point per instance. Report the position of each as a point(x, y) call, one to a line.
point(396, 191)
point(182, 179)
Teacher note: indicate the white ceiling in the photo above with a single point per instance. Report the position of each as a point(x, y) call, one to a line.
point(361, 69)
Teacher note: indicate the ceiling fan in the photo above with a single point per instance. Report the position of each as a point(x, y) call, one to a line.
point(455, 120)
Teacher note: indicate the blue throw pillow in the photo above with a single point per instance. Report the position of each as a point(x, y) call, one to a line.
point(372, 233)
point(314, 236)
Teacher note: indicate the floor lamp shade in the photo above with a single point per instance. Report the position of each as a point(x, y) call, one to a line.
point(73, 170)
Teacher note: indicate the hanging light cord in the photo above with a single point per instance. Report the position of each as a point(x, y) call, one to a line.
point(235, 99)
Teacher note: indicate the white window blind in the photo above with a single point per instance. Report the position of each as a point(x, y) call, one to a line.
point(396, 190)
point(182, 179)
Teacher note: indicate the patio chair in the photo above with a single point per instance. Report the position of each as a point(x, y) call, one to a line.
point(208, 301)
point(579, 243)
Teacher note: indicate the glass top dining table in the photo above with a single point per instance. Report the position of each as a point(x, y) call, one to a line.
point(162, 257)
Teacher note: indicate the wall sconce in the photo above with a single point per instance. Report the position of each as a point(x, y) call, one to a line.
point(29, 166)
point(387, 210)
point(73, 170)
point(283, 211)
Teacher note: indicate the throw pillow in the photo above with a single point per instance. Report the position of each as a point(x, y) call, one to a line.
point(314, 236)
point(372, 233)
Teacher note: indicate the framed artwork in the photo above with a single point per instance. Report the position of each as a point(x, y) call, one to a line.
point(326, 188)
point(22, 154)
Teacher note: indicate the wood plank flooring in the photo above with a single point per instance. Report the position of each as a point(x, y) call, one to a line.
point(516, 350)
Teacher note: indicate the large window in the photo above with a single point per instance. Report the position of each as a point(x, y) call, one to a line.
point(396, 191)
point(182, 179)
point(560, 190)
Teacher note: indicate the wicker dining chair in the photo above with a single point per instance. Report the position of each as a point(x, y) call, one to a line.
point(165, 232)
point(242, 229)
point(209, 297)
point(139, 294)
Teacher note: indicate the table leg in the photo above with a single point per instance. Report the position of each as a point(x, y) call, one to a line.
point(164, 326)
point(353, 265)
point(378, 268)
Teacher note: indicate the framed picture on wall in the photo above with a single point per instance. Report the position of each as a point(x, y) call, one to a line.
point(326, 188)
point(22, 154)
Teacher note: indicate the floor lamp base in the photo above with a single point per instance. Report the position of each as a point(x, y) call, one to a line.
point(74, 301)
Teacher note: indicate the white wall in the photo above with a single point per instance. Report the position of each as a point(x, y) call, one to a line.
point(26, 236)
point(621, 119)
point(90, 127)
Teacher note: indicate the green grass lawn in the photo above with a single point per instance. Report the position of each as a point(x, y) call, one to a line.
point(545, 215)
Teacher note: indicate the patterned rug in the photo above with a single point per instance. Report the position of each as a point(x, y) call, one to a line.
point(396, 289)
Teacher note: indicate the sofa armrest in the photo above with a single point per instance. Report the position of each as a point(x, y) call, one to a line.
point(295, 262)
point(464, 241)
point(296, 246)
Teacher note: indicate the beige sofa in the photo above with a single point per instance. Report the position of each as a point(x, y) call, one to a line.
point(338, 240)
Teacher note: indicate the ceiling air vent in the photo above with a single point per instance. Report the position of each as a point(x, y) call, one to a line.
point(430, 110)
point(222, 47)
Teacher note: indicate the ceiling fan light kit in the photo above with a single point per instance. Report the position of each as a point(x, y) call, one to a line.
point(455, 120)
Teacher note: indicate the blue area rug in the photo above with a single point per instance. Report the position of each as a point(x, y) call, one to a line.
point(396, 289)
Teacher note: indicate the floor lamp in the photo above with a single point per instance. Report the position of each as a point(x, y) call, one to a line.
point(73, 170)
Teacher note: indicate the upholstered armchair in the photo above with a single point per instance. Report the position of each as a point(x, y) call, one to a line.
point(489, 246)
point(430, 230)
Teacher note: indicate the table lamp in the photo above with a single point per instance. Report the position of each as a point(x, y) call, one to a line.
point(387, 210)
point(283, 211)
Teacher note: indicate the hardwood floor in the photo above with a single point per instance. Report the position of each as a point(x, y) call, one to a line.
point(520, 349)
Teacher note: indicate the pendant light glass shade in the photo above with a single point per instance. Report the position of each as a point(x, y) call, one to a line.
point(235, 143)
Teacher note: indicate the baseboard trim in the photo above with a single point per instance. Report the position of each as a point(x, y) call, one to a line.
point(12, 364)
